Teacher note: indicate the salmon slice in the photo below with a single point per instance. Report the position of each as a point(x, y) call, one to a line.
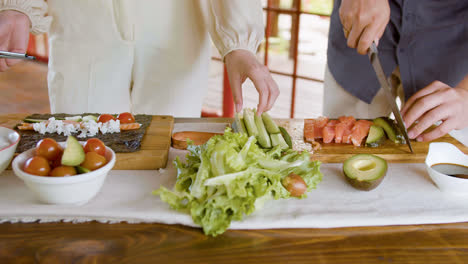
point(343, 129)
point(313, 128)
point(347, 135)
point(347, 119)
point(360, 131)
point(329, 131)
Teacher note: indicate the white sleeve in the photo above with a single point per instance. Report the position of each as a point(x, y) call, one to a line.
point(236, 24)
point(36, 11)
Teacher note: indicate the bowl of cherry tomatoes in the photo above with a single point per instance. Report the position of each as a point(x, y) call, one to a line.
point(70, 172)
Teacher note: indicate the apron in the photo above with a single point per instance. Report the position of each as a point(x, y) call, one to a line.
point(139, 56)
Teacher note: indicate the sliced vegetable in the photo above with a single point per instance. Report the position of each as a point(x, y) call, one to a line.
point(391, 129)
point(295, 185)
point(270, 125)
point(81, 169)
point(239, 123)
point(105, 118)
point(73, 154)
point(376, 136)
point(73, 118)
point(263, 137)
point(249, 121)
point(31, 120)
point(126, 118)
point(286, 136)
point(89, 118)
point(278, 140)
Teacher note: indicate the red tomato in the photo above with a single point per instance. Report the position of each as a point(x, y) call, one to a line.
point(63, 171)
point(105, 118)
point(126, 118)
point(93, 161)
point(95, 145)
point(295, 185)
point(49, 149)
point(37, 165)
point(57, 162)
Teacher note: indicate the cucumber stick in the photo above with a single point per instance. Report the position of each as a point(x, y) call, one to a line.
point(270, 125)
point(277, 139)
point(286, 136)
point(249, 122)
point(239, 123)
point(263, 137)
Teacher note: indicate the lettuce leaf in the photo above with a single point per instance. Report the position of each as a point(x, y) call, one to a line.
point(230, 176)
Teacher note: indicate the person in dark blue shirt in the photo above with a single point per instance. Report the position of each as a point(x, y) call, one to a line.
point(423, 47)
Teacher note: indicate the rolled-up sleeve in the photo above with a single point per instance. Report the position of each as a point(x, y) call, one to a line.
point(36, 11)
point(236, 24)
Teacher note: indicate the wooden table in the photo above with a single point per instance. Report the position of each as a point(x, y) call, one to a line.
point(157, 243)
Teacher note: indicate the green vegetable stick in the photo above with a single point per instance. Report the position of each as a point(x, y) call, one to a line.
point(250, 122)
point(263, 136)
point(277, 139)
point(270, 125)
point(239, 121)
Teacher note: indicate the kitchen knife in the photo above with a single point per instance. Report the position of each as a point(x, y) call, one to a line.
point(375, 61)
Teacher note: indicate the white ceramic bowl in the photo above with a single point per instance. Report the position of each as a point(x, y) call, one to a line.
point(76, 190)
point(447, 153)
point(8, 142)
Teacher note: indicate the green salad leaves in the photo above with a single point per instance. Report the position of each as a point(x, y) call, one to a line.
point(230, 177)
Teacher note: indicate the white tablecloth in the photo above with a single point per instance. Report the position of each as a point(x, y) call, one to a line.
point(406, 196)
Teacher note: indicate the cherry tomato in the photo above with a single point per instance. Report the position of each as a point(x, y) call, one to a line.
point(57, 162)
point(95, 145)
point(105, 118)
point(295, 185)
point(93, 161)
point(49, 149)
point(37, 165)
point(126, 118)
point(63, 171)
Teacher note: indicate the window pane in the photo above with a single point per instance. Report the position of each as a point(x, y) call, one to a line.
point(322, 7)
point(280, 53)
point(309, 99)
point(313, 41)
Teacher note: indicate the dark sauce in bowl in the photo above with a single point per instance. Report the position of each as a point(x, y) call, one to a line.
point(450, 169)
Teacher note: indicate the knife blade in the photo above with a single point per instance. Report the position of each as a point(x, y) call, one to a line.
point(14, 55)
point(375, 61)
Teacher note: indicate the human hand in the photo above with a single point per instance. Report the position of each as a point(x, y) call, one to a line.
point(364, 21)
point(14, 35)
point(242, 64)
point(436, 102)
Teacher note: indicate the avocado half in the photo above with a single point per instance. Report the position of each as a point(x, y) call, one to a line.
point(365, 171)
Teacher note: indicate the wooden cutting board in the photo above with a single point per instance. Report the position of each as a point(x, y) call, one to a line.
point(333, 153)
point(337, 153)
point(154, 147)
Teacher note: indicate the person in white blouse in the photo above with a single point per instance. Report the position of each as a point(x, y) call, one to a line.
point(140, 56)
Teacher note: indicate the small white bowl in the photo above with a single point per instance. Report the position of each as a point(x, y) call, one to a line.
point(440, 152)
point(70, 190)
point(8, 142)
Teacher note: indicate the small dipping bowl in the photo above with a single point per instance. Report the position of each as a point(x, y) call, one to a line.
point(67, 190)
point(446, 153)
point(8, 142)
